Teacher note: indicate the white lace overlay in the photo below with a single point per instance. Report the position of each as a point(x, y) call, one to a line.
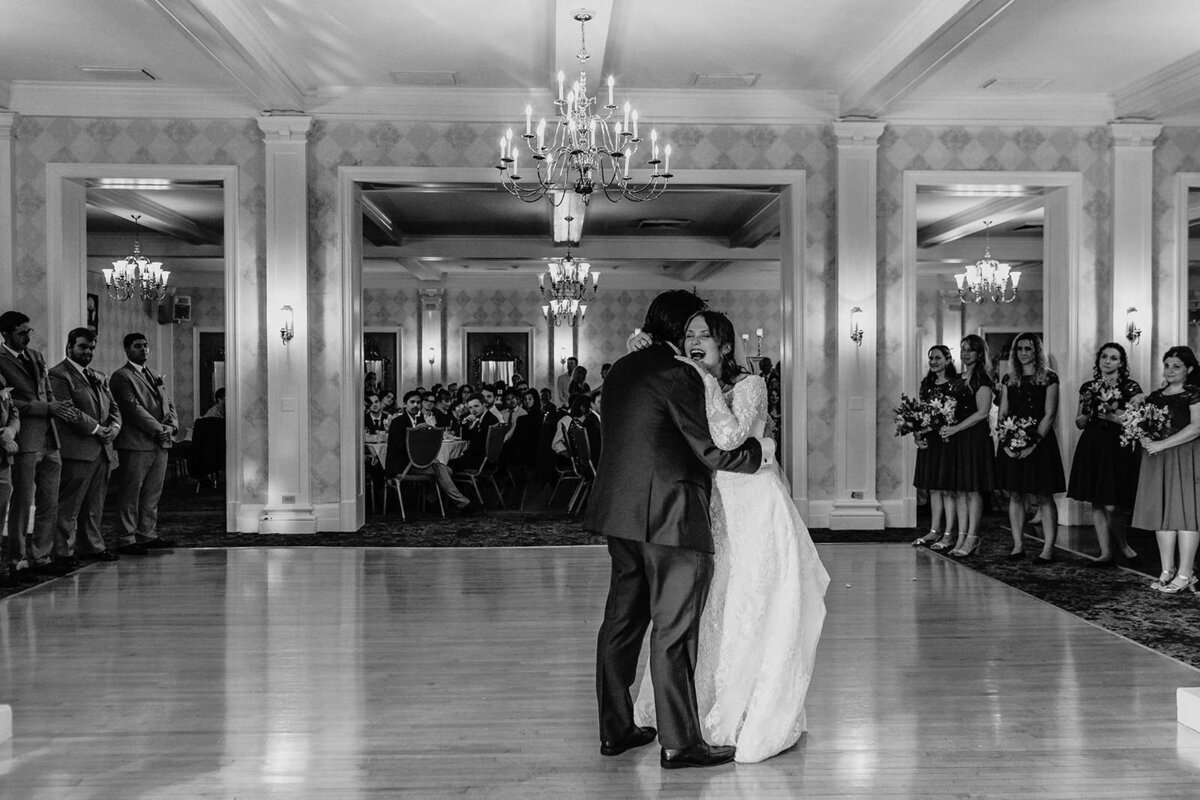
point(766, 603)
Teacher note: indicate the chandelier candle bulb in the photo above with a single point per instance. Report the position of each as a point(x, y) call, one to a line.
point(1016, 278)
point(625, 127)
point(560, 85)
point(611, 80)
point(634, 115)
point(667, 165)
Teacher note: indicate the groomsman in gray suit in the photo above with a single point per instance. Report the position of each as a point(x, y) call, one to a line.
point(36, 466)
point(148, 425)
point(10, 556)
point(87, 446)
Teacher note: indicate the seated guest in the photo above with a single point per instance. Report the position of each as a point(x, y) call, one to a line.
point(578, 384)
point(397, 454)
point(374, 421)
point(428, 401)
point(547, 398)
point(513, 411)
point(453, 390)
point(459, 412)
point(596, 393)
point(441, 410)
point(217, 409)
point(474, 429)
point(489, 400)
point(465, 392)
point(387, 401)
point(520, 448)
point(580, 413)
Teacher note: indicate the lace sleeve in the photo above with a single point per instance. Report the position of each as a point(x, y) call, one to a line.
point(730, 427)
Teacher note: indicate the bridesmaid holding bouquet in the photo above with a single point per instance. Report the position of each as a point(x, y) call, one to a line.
point(931, 454)
point(970, 451)
point(1104, 472)
point(1030, 390)
point(1168, 495)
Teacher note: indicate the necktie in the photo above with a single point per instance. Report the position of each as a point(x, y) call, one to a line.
point(27, 363)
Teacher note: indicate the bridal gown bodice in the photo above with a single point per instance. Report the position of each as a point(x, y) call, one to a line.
point(765, 609)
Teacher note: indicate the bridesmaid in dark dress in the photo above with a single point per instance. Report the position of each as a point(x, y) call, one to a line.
point(1030, 389)
point(971, 453)
point(931, 453)
point(1168, 497)
point(1103, 472)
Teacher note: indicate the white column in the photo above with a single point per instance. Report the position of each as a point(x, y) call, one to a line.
point(431, 345)
point(855, 504)
point(8, 120)
point(289, 506)
point(1133, 235)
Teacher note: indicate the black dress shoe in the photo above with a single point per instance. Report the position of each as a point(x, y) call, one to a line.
point(638, 737)
point(698, 755)
point(1015, 556)
point(133, 550)
point(1038, 561)
point(69, 563)
point(1102, 563)
point(159, 544)
point(102, 555)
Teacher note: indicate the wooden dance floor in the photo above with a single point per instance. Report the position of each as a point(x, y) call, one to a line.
point(343, 673)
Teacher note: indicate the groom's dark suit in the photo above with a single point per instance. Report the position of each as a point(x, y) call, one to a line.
point(651, 500)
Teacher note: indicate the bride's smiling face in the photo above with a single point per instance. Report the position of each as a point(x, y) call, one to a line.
point(701, 346)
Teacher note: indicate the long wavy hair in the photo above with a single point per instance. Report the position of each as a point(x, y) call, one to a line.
point(721, 329)
point(1122, 371)
point(1185, 354)
point(1040, 370)
point(931, 376)
point(976, 344)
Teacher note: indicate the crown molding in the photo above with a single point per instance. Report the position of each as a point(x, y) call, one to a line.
point(52, 99)
point(5, 94)
point(973, 109)
point(1168, 90)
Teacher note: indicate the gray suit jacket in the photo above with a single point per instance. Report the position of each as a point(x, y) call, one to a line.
point(32, 398)
point(96, 407)
point(145, 408)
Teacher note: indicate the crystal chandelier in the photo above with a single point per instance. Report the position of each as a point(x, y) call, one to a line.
point(570, 286)
point(987, 279)
point(136, 275)
point(588, 148)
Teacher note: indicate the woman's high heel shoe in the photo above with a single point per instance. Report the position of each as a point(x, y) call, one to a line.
point(927, 539)
point(1163, 580)
point(1182, 583)
point(945, 543)
point(967, 549)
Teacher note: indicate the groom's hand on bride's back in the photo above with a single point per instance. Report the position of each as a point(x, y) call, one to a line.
point(768, 453)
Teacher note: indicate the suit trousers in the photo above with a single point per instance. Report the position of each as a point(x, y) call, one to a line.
point(11, 549)
point(81, 491)
point(669, 586)
point(141, 482)
point(35, 481)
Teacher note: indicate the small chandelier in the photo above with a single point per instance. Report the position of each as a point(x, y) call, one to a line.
point(136, 275)
point(571, 286)
point(588, 148)
point(987, 279)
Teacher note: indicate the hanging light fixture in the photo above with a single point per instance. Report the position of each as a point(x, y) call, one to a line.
point(987, 279)
point(136, 275)
point(571, 283)
point(590, 147)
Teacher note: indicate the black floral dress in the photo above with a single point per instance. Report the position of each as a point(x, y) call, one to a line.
point(969, 465)
point(1041, 472)
point(1168, 495)
point(1103, 472)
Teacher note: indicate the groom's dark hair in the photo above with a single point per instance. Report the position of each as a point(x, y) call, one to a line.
point(668, 315)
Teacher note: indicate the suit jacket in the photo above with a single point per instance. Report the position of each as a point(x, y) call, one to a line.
point(32, 396)
point(9, 418)
point(144, 407)
point(371, 426)
point(655, 474)
point(397, 441)
point(475, 432)
point(96, 407)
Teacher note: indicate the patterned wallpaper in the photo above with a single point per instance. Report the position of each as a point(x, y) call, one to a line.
point(812, 148)
point(1084, 150)
point(42, 140)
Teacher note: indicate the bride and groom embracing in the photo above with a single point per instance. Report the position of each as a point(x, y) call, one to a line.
point(735, 591)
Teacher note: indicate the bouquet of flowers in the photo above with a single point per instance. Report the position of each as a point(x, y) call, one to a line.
point(940, 412)
point(1016, 434)
point(1103, 399)
point(1146, 421)
point(910, 415)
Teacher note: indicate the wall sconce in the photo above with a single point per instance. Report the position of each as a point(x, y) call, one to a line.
point(1132, 332)
point(856, 331)
point(288, 331)
point(431, 351)
point(759, 333)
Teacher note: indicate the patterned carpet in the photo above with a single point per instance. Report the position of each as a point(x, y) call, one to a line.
point(1118, 600)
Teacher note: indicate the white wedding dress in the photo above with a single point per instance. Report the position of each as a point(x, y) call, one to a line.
point(766, 602)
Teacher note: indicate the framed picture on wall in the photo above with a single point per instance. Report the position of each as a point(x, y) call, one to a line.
point(93, 312)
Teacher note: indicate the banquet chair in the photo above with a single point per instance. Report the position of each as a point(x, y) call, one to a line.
point(567, 474)
point(423, 445)
point(486, 471)
point(580, 451)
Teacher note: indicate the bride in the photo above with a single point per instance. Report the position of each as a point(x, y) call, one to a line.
point(766, 606)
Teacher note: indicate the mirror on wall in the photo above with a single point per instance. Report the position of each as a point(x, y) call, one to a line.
point(955, 242)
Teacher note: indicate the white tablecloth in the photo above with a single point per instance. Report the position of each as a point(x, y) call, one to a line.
point(451, 448)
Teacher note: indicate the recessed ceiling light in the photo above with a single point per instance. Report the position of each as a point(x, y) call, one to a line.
point(710, 80)
point(118, 73)
point(424, 78)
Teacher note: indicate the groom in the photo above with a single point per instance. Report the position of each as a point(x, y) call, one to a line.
point(651, 501)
